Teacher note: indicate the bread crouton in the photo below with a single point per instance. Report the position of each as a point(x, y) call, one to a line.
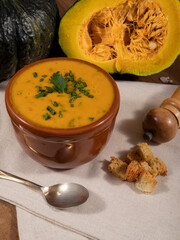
point(133, 171)
point(118, 168)
point(141, 153)
point(145, 152)
point(133, 156)
point(158, 167)
point(140, 166)
point(145, 166)
point(145, 182)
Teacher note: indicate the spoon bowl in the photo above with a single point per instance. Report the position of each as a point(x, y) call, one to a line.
point(65, 195)
point(60, 195)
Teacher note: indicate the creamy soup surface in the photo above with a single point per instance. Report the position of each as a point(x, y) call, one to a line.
point(61, 94)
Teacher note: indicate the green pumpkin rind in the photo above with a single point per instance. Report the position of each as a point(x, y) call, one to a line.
point(26, 34)
point(78, 14)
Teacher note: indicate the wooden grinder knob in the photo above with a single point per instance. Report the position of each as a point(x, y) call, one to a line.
point(161, 124)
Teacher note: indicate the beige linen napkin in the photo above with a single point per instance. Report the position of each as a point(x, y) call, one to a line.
point(36, 228)
point(115, 209)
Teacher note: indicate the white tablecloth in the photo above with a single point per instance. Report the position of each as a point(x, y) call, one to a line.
point(115, 209)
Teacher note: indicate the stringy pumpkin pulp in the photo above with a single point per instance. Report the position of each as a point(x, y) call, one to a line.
point(133, 29)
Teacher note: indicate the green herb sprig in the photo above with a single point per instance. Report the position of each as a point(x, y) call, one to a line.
point(67, 84)
point(58, 81)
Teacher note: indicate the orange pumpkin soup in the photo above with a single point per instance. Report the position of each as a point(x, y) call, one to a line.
point(61, 94)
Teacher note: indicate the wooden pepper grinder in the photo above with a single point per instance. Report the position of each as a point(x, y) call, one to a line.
point(161, 124)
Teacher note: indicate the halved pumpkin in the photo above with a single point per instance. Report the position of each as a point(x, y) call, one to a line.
point(140, 37)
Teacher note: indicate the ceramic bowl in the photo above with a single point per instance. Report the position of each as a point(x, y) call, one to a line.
point(63, 148)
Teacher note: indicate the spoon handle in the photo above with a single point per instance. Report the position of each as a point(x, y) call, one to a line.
point(11, 177)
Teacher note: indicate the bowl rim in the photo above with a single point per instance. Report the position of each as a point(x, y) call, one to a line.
point(58, 131)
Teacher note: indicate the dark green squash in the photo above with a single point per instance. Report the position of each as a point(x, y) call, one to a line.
point(27, 31)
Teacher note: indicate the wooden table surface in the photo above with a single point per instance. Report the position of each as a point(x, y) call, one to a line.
point(8, 220)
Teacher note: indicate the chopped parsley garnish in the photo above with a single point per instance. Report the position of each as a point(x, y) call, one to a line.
point(60, 114)
point(41, 94)
point(35, 74)
point(66, 83)
point(49, 89)
point(51, 110)
point(55, 104)
point(91, 118)
point(73, 98)
point(39, 88)
point(71, 74)
point(46, 116)
point(71, 123)
point(90, 96)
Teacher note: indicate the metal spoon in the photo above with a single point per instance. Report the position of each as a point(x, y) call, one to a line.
point(60, 195)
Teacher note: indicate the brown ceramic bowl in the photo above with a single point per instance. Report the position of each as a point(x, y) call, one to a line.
point(63, 148)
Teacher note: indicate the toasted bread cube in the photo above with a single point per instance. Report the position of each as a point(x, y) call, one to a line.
point(146, 182)
point(158, 167)
point(133, 171)
point(145, 152)
point(145, 166)
point(118, 168)
point(133, 156)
